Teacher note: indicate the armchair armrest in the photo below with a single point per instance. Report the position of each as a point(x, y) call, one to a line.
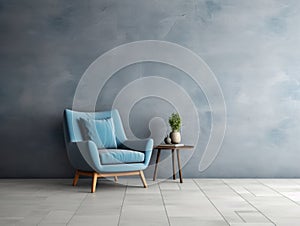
point(145, 145)
point(138, 145)
point(84, 155)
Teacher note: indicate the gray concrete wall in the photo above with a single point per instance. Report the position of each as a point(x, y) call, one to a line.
point(251, 46)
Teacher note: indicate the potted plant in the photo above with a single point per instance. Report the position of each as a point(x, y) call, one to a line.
point(175, 124)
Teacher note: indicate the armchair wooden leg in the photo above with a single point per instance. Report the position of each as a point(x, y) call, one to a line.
point(75, 180)
point(143, 179)
point(116, 178)
point(94, 182)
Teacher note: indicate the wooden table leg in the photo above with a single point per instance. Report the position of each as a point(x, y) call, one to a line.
point(179, 167)
point(173, 163)
point(156, 164)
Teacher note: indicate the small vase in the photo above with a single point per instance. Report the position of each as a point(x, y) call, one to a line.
point(168, 140)
point(175, 137)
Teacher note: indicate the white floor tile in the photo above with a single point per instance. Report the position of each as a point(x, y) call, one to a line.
point(165, 202)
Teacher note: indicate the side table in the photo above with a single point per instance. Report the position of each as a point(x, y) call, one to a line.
point(171, 147)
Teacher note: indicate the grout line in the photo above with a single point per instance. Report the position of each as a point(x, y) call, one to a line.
point(278, 192)
point(237, 213)
point(122, 205)
point(76, 209)
point(164, 204)
point(248, 202)
point(252, 193)
point(211, 201)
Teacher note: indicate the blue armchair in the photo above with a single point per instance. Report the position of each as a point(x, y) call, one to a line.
point(97, 146)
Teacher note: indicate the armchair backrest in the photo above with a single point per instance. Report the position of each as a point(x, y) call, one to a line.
point(72, 129)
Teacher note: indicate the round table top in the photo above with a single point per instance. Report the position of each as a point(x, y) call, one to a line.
point(173, 146)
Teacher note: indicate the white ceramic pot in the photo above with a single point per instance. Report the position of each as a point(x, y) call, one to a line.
point(175, 137)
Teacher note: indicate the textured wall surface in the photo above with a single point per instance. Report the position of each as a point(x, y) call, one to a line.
point(251, 46)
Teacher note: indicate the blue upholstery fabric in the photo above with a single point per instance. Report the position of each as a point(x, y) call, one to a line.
point(120, 156)
point(101, 131)
point(73, 131)
point(84, 154)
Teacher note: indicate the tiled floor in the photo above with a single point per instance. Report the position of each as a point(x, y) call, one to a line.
point(195, 202)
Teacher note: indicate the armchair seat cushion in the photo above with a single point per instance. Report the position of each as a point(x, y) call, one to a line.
point(120, 156)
